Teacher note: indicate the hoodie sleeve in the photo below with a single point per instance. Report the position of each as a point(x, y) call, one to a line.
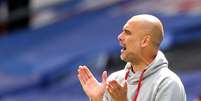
point(171, 89)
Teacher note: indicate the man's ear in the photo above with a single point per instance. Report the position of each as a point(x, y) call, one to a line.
point(146, 41)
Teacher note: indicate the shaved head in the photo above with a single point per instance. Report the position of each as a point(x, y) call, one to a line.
point(149, 25)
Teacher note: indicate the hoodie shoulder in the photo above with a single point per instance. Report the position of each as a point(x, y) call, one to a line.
point(166, 73)
point(170, 83)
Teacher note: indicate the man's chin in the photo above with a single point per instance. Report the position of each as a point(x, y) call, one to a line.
point(123, 58)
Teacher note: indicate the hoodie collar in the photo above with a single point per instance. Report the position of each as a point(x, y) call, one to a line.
point(159, 62)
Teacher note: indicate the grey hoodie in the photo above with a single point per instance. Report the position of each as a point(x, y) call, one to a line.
point(159, 83)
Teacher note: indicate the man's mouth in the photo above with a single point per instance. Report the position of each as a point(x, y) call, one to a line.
point(123, 49)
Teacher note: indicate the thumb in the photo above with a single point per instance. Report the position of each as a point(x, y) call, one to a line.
point(104, 77)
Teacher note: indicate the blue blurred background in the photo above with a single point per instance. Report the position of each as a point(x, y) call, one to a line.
point(42, 42)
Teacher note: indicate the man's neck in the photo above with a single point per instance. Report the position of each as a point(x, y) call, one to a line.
point(139, 67)
point(142, 65)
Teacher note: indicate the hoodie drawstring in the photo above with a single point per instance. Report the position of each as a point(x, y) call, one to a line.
point(139, 82)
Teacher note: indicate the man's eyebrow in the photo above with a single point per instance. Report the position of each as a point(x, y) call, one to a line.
point(127, 31)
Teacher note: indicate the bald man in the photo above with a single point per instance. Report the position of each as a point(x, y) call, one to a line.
point(146, 76)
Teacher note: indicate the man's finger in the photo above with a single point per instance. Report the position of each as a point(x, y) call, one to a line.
point(82, 74)
point(116, 86)
point(125, 85)
point(87, 71)
point(110, 90)
point(81, 80)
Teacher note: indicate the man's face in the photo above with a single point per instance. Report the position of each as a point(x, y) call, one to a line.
point(129, 39)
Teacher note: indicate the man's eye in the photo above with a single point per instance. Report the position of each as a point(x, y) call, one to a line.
point(128, 33)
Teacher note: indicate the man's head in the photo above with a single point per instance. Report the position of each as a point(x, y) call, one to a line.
point(140, 38)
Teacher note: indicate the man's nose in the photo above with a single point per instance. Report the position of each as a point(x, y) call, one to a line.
point(120, 37)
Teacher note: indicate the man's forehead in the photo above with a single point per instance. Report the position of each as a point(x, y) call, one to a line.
point(125, 26)
point(128, 24)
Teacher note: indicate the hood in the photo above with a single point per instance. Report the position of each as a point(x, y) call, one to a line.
point(159, 62)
